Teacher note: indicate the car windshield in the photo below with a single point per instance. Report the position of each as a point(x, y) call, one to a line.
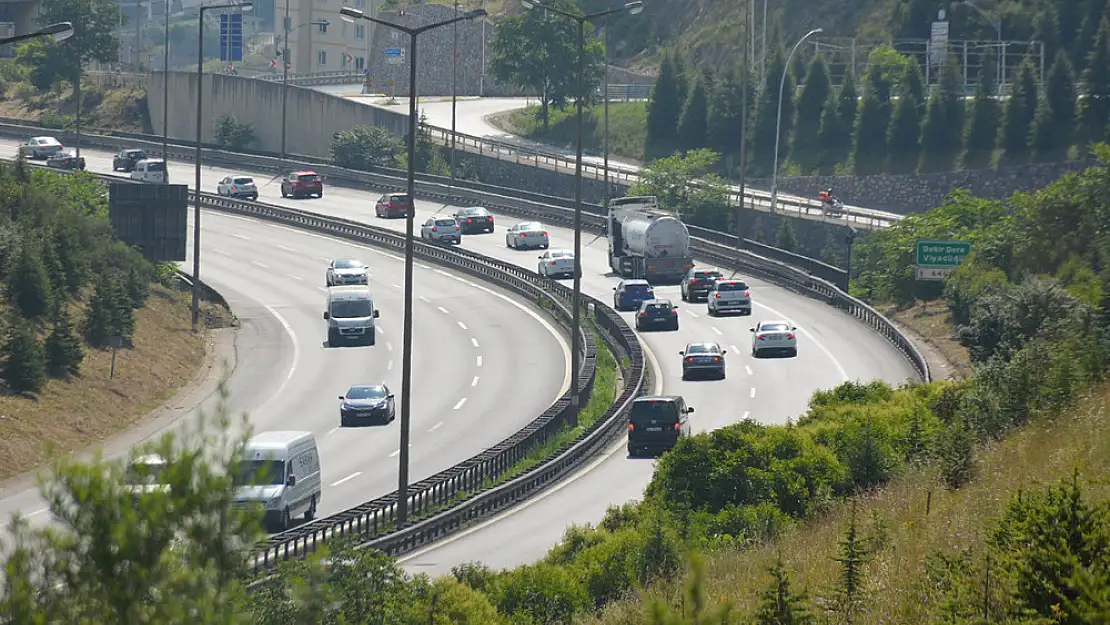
point(445, 222)
point(561, 254)
point(731, 286)
point(701, 349)
point(637, 288)
point(398, 198)
point(135, 154)
point(155, 166)
point(532, 226)
point(260, 472)
point(774, 327)
point(44, 141)
point(659, 306)
point(654, 412)
point(307, 177)
point(348, 263)
point(351, 309)
point(366, 392)
point(704, 275)
point(242, 181)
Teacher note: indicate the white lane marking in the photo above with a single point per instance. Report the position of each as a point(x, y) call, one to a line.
point(258, 264)
point(286, 248)
point(474, 341)
point(460, 404)
point(474, 382)
point(748, 369)
point(332, 431)
point(443, 310)
point(379, 329)
point(753, 392)
point(820, 345)
point(718, 331)
point(346, 479)
point(239, 236)
point(298, 278)
point(693, 314)
point(734, 350)
point(617, 446)
point(461, 325)
point(396, 286)
point(422, 266)
point(37, 512)
point(389, 367)
point(219, 251)
point(323, 289)
point(389, 346)
point(479, 359)
point(746, 414)
point(325, 258)
point(424, 299)
point(296, 357)
point(393, 256)
point(395, 453)
point(435, 427)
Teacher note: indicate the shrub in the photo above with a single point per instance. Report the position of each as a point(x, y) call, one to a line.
point(230, 133)
point(364, 147)
point(29, 287)
point(24, 360)
point(109, 313)
point(543, 592)
point(64, 352)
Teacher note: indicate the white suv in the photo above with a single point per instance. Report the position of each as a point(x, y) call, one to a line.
point(441, 229)
point(728, 296)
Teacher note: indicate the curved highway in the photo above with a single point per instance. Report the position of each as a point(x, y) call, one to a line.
point(470, 342)
point(833, 347)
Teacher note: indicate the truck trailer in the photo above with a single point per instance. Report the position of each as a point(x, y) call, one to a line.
point(645, 241)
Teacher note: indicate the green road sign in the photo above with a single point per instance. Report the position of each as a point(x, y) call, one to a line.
point(942, 253)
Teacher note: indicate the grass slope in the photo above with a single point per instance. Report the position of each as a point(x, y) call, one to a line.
point(115, 108)
point(627, 121)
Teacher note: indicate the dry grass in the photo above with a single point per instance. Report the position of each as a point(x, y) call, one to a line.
point(117, 108)
point(1037, 455)
point(71, 415)
point(932, 323)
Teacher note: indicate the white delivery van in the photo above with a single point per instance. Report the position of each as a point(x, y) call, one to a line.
point(144, 475)
point(350, 313)
point(281, 471)
point(150, 170)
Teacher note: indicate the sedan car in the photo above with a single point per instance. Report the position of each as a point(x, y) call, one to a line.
point(125, 160)
point(40, 147)
point(774, 337)
point(393, 205)
point(527, 235)
point(698, 282)
point(556, 264)
point(238, 186)
point(344, 271)
point(303, 183)
point(703, 358)
point(657, 314)
point(367, 403)
point(474, 219)
point(441, 229)
point(629, 294)
point(66, 160)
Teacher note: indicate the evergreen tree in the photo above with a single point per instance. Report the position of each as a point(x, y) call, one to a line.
point(1094, 13)
point(837, 123)
point(778, 603)
point(1070, 18)
point(852, 556)
point(693, 123)
point(806, 143)
point(913, 18)
point(869, 154)
point(1020, 110)
point(24, 360)
point(798, 67)
point(943, 128)
point(904, 136)
point(725, 115)
point(1095, 109)
point(934, 146)
point(1052, 126)
point(29, 287)
point(123, 317)
point(786, 239)
point(982, 128)
point(1047, 30)
point(64, 352)
point(665, 106)
point(109, 313)
point(767, 114)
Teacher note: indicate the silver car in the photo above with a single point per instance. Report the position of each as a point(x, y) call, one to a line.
point(704, 359)
point(527, 235)
point(344, 271)
point(556, 264)
point(774, 337)
point(441, 229)
point(238, 186)
point(40, 147)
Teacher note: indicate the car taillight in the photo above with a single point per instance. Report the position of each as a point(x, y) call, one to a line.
point(434, 229)
point(545, 233)
point(759, 337)
point(469, 221)
point(522, 235)
point(747, 294)
point(718, 296)
point(689, 359)
point(456, 226)
point(716, 359)
point(677, 427)
point(491, 219)
point(643, 314)
point(674, 312)
point(790, 336)
point(631, 427)
point(552, 262)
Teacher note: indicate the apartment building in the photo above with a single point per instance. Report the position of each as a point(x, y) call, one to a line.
point(313, 45)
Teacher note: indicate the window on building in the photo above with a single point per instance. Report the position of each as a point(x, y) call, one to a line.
point(322, 58)
point(360, 31)
point(360, 63)
point(322, 28)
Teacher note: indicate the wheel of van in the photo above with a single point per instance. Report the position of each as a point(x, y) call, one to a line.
point(286, 521)
point(311, 512)
point(333, 338)
point(283, 194)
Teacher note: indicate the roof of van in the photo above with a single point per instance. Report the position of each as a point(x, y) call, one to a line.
point(349, 291)
point(277, 439)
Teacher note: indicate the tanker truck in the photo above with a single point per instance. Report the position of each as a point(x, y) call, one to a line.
point(645, 241)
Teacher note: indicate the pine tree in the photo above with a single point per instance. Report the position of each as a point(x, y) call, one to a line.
point(798, 67)
point(1052, 125)
point(1020, 110)
point(869, 152)
point(123, 312)
point(1094, 13)
point(767, 114)
point(64, 352)
point(982, 127)
point(101, 313)
point(904, 136)
point(24, 360)
point(786, 239)
point(943, 128)
point(693, 123)
point(836, 125)
point(29, 287)
point(665, 107)
point(1070, 19)
point(806, 143)
point(723, 118)
point(778, 603)
point(849, 594)
point(1047, 30)
point(1095, 109)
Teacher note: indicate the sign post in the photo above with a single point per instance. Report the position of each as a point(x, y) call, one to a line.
point(394, 56)
point(392, 90)
point(937, 259)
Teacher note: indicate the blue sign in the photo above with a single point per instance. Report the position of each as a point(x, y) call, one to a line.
point(393, 52)
point(231, 37)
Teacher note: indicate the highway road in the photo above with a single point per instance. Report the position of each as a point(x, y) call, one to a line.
point(471, 341)
point(833, 347)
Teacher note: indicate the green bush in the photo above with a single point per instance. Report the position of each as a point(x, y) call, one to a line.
point(28, 284)
point(64, 352)
point(540, 593)
point(24, 359)
point(365, 148)
point(233, 135)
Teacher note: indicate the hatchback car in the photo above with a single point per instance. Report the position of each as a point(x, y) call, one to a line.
point(527, 235)
point(40, 147)
point(657, 314)
point(703, 358)
point(125, 160)
point(629, 294)
point(774, 337)
point(367, 403)
point(656, 423)
point(300, 184)
point(474, 219)
point(729, 296)
point(556, 264)
point(66, 160)
point(698, 282)
point(344, 271)
point(393, 205)
point(239, 186)
point(441, 229)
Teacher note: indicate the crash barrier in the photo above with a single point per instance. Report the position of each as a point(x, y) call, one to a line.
point(465, 486)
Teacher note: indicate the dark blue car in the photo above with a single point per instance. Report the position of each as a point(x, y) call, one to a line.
point(629, 294)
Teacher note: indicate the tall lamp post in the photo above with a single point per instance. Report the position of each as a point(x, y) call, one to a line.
point(746, 78)
point(997, 23)
point(633, 8)
point(778, 122)
point(605, 138)
point(350, 15)
point(246, 6)
point(166, 91)
point(58, 32)
point(285, 63)
point(454, 89)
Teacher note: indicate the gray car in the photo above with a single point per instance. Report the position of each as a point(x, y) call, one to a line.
point(367, 403)
point(344, 271)
point(703, 359)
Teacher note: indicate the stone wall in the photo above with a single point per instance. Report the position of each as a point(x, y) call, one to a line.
point(916, 193)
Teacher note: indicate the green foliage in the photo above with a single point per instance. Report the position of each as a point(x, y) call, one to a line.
point(232, 134)
point(850, 594)
point(28, 284)
point(778, 603)
point(869, 135)
point(981, 134)
point(109, 314)
point(767, 112)
point(695, 602)
point(64, 352)
point(806, 147)
point(1095, 108)
point(786, 239)
point(1020, 111)
point(942, 131)
point(24, 361)
point(93, 39)
point(671, 180)
point(904, 135)
point(693, 126)
point(1052, 125)
point(542, 592)
point(365, 148)
point(726, 110)
point(665, 107)
point(837, 123)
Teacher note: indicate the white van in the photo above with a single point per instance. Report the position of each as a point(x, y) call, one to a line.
point(144, 475)
point(350, 313)
point(281, 471)
point(150, 170)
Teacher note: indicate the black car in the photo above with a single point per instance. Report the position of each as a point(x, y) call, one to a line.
point(656, 423)
point(474, 219)
point(367, 403)
point(126, 159)
point(698, 282)
point(657, 314)
point(66, 160)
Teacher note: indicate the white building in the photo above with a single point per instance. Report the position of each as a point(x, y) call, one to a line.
point(314, 46)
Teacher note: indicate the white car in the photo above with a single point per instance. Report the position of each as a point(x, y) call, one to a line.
point(527, 235)
point(40, 147)
point(238, 186)
point(728, 296)
point(775, 337)
point(344, 271)
point(556, 264)
point(441, 229)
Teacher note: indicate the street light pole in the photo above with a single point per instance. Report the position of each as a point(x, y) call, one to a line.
point(778, 122)
point(284, 76)
point(454, 90)
point(745, 78)
point(246, 6)
point(605, 139)
point(166, 91)
point(351, 15)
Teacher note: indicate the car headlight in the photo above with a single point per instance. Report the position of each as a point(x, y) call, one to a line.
point(273, 503)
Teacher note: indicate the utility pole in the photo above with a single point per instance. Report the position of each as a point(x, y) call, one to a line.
point(745, 77)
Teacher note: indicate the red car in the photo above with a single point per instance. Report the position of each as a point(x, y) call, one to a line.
point(300, 184)
point(393, 205)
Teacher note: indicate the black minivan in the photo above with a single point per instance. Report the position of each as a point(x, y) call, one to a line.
point(656, 423)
